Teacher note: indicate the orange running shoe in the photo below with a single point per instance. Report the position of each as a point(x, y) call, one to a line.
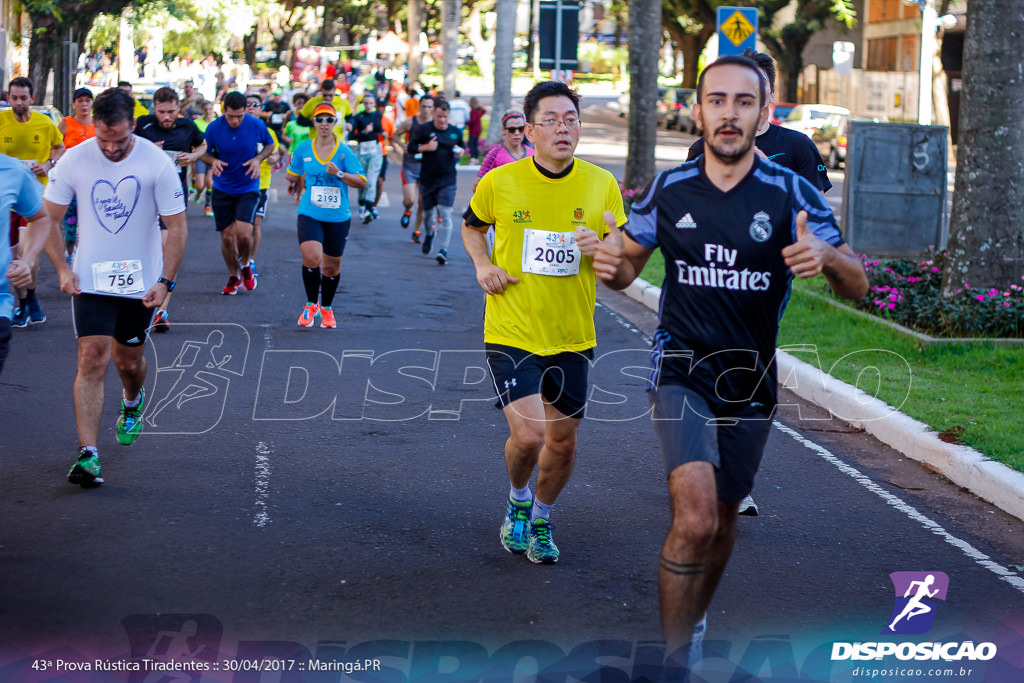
point(327, 318)
point(308, 316)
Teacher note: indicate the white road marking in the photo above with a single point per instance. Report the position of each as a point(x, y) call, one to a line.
point(261, 518)
point(966, 548)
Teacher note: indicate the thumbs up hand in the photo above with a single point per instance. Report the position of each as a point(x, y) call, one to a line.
point(809, 255)
point(609, 254)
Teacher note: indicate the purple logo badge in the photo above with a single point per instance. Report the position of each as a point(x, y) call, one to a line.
point(914, 609)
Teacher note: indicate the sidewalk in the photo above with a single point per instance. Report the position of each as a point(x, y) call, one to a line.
point(964, 466)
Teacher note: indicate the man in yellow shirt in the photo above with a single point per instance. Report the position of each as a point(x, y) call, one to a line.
point(548, 213)
point(254, 105)
point(140, 109)
point(35, 139)
point(329, 94)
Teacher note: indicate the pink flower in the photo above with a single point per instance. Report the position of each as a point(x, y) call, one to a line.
point(980, 297)
point(1006, 304)
point(935, 270)
point(892, 306)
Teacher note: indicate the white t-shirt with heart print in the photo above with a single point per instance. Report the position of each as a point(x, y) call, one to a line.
point(119, 246)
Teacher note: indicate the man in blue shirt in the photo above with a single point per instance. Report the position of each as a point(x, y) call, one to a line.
point(19, 192)
point(236, 144)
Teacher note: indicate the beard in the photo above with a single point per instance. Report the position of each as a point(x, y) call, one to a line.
point(730, 152)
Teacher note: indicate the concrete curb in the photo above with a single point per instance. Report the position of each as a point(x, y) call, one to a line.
point(964, 466)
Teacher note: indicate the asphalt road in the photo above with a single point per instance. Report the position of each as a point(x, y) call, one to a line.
point(303, 497)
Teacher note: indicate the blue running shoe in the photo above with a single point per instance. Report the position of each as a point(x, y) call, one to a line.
point(35, 312)
point(129, 424)
point(86, 471)
point(542, 548)
point(20, 318)
point(515, 530)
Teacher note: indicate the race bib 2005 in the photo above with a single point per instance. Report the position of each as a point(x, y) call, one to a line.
point(546, 252)
point(118, 277)
point(325, 197)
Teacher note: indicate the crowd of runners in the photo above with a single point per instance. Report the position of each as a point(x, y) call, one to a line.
point(105, 194)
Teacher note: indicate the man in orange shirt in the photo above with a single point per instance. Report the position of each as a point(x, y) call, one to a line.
point(76, 130)
point(387, 122)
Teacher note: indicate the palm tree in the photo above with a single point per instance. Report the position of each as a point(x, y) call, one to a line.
point(504, 49)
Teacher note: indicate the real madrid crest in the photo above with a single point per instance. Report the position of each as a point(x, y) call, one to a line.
point(760, 229)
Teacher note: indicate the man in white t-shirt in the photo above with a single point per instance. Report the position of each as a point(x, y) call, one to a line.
point(458, 112)
point(122, 269)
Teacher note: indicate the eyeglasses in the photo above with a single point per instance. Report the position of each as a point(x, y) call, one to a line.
point(570, 122)
point(515, 129)
point(252, 105)
point(324, 119)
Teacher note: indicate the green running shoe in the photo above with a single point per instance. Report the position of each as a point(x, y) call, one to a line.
point(542, 548)
point(86, 472)
point(129, 425)
point(515, 530)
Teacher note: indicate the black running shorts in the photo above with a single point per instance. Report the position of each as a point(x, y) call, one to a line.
point(333, 235)
point(5, 340)
point(126, 320)
point(690, 430)
point(441, 195)
point(228, 208)
point(261, 207)
point(561, 379)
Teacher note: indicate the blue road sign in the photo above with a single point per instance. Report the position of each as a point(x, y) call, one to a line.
point(737, 29)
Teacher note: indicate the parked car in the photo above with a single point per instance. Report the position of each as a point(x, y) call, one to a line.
point(781, 111)
point(806, 117)
point(678, 103)
point(832, 137)
point(624, 103)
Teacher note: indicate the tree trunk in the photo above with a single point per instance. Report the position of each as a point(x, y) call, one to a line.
point(644, 44)
point(504, 51)
point(483, 49)
point(380, 10)
point(415, 24)
point(691, 45)
point(42, 54)
point(618, 16)
point(249, 47)
point(986, 232)
point(451, 14)
point(530, 47)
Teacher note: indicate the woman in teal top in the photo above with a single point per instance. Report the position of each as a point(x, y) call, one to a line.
point(325, 167)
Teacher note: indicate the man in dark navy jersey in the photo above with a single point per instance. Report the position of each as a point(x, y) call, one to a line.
point(786, 147)
point(734, 230)
point(789, 148)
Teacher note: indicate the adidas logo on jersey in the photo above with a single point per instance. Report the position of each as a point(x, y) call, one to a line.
point(686, 223)
point(133, 340)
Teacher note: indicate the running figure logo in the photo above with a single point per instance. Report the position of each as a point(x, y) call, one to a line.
point(191, 392)
point(914, 610)
point(189, 641)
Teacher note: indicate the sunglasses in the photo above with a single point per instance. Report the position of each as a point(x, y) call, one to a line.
point(324, 119)
point(516, 129)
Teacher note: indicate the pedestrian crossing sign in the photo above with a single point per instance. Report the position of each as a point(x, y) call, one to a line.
point(737, 29)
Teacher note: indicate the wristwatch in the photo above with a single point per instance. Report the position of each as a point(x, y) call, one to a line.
point(169, 283)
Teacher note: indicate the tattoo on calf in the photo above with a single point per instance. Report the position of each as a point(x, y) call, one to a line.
point(682, 568)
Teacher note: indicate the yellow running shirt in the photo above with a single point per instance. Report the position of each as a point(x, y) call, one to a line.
point(551, 308)
point(266, 168)
point(31, 140)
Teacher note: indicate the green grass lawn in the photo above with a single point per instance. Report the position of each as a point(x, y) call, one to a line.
point(970, 390)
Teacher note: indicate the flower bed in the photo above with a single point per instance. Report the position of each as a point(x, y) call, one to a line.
point(908, 292)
